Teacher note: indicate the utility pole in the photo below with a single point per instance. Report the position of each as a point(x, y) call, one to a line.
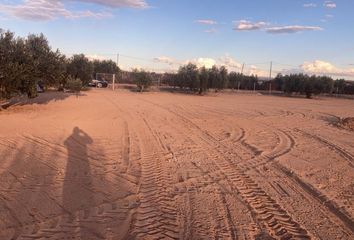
point(270, 78)
point(114, 76)
point(114, 79)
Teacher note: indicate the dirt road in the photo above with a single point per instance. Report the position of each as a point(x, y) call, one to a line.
point(122, 165)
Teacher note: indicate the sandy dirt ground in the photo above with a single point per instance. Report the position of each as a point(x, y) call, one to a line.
point(124, 165)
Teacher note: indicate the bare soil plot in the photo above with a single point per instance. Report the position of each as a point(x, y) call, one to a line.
point(123, 165)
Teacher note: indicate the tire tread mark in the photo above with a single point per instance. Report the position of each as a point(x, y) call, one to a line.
point(277, 220)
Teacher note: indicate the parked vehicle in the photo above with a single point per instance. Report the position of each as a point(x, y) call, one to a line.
point(98, 83)
point(39, 88)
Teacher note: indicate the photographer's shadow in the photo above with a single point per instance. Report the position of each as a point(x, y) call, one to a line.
point(78, 195)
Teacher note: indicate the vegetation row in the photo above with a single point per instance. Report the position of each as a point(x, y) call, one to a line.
point(28, 62)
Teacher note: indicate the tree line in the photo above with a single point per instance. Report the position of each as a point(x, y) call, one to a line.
point(28, 62)
point(203, 79)
point(312, 85)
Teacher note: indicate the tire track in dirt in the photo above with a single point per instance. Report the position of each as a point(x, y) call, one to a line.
point(97, 163)
point(233, 229)
point(70, 224)
point(320, 197)
point(126, 145)
point(221, 220)
point(331, 206)
point(219, 223)
point(287, 143)
point(108, 218)
point(290, 143)
point(102, 167)
point(339, 150)
point(258, 157)
point(102, 221)
point(14, 145)
point(267, 211)
point(216, 225)
point(156, 213)
point(308, 188)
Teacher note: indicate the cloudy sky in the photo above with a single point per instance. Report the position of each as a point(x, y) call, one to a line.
point(297, 35)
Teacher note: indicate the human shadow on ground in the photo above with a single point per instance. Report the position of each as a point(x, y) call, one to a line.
point(63, 189)
point(77, 189)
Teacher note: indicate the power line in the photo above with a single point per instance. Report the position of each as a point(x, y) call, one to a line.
point(243, 67)
point(152, 60)
point(285, 64)
point(260, 63)
point(138, 58)
point(114, 54)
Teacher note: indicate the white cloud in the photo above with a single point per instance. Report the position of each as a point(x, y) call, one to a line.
point(95, 57)
point(206, 21)
point(117, 3)
point(254, 70)
point(292, 29)
point(203, 62)
point(229, 62)
point(318, 66)
point(310, 5)
point(44, 10)
point(330, 4)
point(226, 61)
point(326, 68)
point(200, 62)
point(244, 25)
point(167, 60)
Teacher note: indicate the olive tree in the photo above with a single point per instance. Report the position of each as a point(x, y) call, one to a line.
point(48, 66)
point(25, 62)
point(105, 66)
point(203, 78)
point(142, 79)
point(16, 67)
point(80, 67)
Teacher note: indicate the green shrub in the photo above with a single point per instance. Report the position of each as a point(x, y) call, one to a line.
point(73, 84)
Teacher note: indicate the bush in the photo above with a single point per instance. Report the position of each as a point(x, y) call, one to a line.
point(74, 85)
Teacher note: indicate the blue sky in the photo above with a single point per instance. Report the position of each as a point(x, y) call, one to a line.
point(314, 36)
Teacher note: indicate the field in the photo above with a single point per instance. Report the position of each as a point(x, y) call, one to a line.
point(124, 165)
